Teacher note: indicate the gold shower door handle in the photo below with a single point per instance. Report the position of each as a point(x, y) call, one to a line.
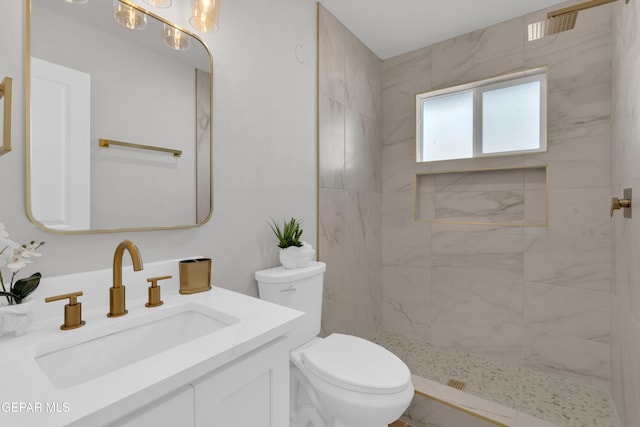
point(624, 203)
point(618, 204)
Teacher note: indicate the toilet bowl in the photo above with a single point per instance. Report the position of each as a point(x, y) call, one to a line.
point(340, 380)
point(354, 381)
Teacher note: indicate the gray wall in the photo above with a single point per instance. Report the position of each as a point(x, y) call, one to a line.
point(534, 297)
point(264, 117)
point(625, 301)
point(350, 138)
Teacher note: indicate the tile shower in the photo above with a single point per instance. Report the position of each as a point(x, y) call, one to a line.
point(536, 299)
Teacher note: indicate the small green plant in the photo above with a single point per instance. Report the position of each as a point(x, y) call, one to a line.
point(290, 233)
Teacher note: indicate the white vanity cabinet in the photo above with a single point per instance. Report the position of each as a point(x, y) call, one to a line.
point(252, 391)
point(175, 409)
point(217, 358)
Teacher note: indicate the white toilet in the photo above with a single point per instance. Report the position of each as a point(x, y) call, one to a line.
point(340, 380)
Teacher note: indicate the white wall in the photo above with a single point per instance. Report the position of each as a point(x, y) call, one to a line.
point(350, 138)
point(264, 146)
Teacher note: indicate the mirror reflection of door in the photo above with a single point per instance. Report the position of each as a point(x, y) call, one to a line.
point(60, 157)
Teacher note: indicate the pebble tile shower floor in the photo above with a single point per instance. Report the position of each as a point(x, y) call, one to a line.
point(539, 394)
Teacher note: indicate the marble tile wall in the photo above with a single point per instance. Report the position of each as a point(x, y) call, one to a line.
point(350, 140)
point(203, 138)
point(508, 196)
point(625, 301)
point(535, 296)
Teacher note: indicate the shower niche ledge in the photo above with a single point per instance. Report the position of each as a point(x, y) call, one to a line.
point(511, 196)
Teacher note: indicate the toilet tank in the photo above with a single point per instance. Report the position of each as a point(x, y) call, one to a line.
point(301, 289)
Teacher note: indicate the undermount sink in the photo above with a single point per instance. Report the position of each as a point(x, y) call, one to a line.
point(78, 362)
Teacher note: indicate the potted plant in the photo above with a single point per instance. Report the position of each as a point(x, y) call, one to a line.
point(16, 311)
point(293, 252)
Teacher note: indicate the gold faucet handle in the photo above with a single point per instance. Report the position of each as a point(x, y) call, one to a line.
point(154, 280)
point(72, 311)
point(154, 291)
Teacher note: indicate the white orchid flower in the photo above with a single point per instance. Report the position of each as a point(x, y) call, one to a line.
point(7, 250)
point(3, 232)
point(15, 257)
point(17, 263)
point(7, 244)
point(29, 251)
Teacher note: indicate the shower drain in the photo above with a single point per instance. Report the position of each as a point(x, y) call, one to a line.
point(460, 385)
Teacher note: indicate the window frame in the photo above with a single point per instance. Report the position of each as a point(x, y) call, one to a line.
point(478, 88)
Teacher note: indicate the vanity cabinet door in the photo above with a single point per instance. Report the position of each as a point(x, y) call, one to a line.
point(174, 409)
point(250, 392)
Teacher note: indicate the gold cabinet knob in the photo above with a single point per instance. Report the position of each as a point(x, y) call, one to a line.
point(72, 311)
point(154, 291)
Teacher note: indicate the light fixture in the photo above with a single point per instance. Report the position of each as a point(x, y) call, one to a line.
point(78, 1)
point(174, 38)
point(204, 15)
point(128, 16)
point(158, 3)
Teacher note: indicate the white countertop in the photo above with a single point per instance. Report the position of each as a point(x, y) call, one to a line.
point(28, 398)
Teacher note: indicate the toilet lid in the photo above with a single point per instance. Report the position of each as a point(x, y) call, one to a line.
point(356, 364)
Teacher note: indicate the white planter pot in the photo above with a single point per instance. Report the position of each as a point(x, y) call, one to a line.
point(297, 257)
point(14, 319)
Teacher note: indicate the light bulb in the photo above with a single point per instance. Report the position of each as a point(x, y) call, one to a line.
point(204, 15)
point(129, 17)
point(159, 3)
point(175, 39)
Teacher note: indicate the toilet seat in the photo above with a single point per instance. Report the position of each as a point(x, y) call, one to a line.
point(355, 364)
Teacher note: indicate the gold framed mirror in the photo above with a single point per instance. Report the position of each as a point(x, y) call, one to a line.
point(118, 119)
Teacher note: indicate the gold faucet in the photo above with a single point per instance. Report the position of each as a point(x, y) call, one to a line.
point(116, 292)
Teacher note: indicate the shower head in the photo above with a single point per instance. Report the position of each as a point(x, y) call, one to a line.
point(553, 25)
point(561, 20)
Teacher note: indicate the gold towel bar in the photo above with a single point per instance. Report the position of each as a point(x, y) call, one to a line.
point(107, 142)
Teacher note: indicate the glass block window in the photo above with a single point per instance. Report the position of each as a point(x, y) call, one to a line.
point(498, 116)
